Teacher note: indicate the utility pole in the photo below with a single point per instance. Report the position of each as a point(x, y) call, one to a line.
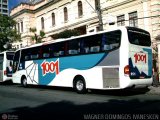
point(99, 13)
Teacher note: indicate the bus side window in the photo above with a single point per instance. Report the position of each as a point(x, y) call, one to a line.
point(26, 57)
point(58, 49)
point(56, 54)
point(95, 49)
point(16, 61)
point(86, 49)
point(93, 43)
point(46, 51)
point(35, 53)
point(61, 53)
point(73, 47)
point(72, 52)
point(111, 40)
point(45, 55)
point(106, 47)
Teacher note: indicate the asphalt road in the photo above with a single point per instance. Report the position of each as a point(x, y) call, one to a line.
point(53, 103)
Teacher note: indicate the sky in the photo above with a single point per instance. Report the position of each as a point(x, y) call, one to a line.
point(13, 3)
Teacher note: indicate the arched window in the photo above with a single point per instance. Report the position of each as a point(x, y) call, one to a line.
point(97, 3)
point(18, 26)
point(53, 19)
point(80, 9)
point(22, 27)
point(42, 23)
point(65, 14)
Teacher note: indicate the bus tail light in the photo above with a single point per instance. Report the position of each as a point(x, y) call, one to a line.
point(5, 72)
point(126, 70)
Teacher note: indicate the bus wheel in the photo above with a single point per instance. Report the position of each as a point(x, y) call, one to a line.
point(24, 82)
point(79, 85)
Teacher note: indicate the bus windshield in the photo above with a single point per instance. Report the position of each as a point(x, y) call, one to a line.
point(139, 37)
point(10, 55)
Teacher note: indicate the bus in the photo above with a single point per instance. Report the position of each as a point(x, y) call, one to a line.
point(114, 59)
point(6, 61)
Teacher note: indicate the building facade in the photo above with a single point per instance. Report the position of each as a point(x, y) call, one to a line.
point(4, 7)
point(54, 16)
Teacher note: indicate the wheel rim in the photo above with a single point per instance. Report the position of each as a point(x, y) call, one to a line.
point(24, 82)
point(79, 85)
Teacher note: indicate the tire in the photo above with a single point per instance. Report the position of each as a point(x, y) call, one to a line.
point(80, 86)
point(24, 82)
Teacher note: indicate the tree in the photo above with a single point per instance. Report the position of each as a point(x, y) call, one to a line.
point(7, 32)
point(66, 34)
point(35, 37)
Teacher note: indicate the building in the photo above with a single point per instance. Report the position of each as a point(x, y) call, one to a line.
point(4, 7)
point(144, 14)
point(54, 16)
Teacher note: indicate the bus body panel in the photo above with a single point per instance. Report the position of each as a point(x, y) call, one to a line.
point(103, 70)
point(6, 65)
point(124, 55)
point(139, 59)
point(47, 72)
point(139, 62)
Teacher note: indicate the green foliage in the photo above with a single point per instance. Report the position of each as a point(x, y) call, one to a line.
point(35, 37)
point(7, 32)
point(66, 34)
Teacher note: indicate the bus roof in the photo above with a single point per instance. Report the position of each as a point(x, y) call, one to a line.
point(6, 52)
point(75, 37)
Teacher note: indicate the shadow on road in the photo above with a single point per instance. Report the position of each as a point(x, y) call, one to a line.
point(9, 82)
point(68, 110)
point(122, 92)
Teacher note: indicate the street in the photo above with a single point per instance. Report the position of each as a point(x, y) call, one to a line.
point(55, 103)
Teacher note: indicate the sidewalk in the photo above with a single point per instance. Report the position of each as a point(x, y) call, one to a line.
point(154, 89)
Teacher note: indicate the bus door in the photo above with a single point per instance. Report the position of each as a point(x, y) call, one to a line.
point(1, 67)
point(9, 63)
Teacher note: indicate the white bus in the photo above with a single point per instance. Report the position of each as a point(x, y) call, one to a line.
point(6, 61)
point(114, 59)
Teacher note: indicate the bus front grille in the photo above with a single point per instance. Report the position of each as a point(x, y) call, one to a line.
point(110, 77)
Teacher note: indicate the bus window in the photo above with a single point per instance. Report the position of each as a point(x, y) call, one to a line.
point(46, 51)
point(16, 61)
point(141, 38)
point(9, 69)
point(111, 40)
point(10, 55)
point(59, 49)
point(91, 44)
point(25, 55)
point(73, 47)
point(35, 53)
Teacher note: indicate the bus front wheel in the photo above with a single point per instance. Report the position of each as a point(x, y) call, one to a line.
point(79, 85)
point(24, 81)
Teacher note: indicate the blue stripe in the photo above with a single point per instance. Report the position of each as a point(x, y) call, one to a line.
point(149, 60)
point(81, 62)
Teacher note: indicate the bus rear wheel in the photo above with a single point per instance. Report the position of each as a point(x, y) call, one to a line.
point(79, 85)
